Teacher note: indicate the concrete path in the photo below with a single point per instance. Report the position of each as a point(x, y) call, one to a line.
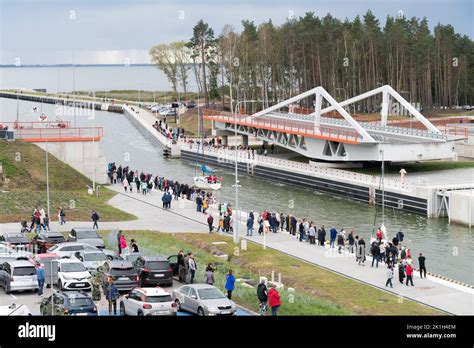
point(183, 217)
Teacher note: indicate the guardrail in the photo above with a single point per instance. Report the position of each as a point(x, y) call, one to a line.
point(286, 126)
point(244, 156)
point(456, 130)
point(38, 135)
point(36, 124)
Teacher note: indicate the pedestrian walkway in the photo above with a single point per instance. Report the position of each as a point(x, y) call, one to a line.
point(448, 297)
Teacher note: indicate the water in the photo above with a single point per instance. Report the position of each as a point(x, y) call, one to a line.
point(449, 249)
point(88, 78)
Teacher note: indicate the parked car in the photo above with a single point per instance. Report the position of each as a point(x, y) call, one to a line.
point(8, 254)
point(14, 310)
point(92, 259)
point(68, 249)
point(168, 112)
point(72, 274)
point(46, 239)
point(191, 104)
point(15, 240)
point(87, 236)
point(68, 303)
point(203, 300)
point(18, 275)
point(121, 272)
point(131, 257)
point(153, 270)
point(147, 301)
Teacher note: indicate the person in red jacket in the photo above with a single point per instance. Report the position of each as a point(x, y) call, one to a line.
point(274, 300)
point(409, 272)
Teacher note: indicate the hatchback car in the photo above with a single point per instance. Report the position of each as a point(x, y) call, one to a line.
point(122, 273)
point(153, 270)
point(87, 236)
point(147, 301)
point(92, 259)
point(18, 275)
point(46, 240)
point(203, 300)
point(68, 303)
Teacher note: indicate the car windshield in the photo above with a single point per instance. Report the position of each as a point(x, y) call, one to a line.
point(55, 239)
point(133, 257)
point(95, 257)
point(210, 294)
point(24, 271)
point(73, 267)
point(157, 299)
point(158, 265)
point(126, 272)
point(80, 302)
point(87, 234)
point(17, 239)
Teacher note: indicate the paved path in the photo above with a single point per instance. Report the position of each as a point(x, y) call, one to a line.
point(183, 217)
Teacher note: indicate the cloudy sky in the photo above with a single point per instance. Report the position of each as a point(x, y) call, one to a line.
point(116, 31)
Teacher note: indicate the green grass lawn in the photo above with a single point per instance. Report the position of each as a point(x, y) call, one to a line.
point(415, 167)
point(24, 187)
point(316, 290)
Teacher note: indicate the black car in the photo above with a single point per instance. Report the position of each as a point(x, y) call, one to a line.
point(15, 240)
point(121, 272)
point(153, 270)
point(46, 240)
point(68, 303)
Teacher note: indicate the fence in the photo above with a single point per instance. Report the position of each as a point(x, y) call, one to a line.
point(59, 134)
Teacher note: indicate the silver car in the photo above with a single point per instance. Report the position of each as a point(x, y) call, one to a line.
point(18, 275)
point(87, 236)
point(92, 259)
point(69, 249)
point(203, 300)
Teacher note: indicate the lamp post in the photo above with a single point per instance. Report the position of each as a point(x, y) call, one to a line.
point(43, 118)
point(236, 185)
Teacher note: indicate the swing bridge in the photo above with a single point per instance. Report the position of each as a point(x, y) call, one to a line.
point(330, 133)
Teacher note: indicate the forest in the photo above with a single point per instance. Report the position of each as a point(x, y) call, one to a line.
point(272, 63)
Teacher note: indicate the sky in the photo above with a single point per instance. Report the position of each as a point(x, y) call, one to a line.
point(123, 31)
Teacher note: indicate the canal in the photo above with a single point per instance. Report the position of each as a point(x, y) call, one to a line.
point(449, 249)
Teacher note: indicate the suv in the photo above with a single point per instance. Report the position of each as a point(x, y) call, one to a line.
point(72, 274)
point(121, 272)
point(18, 275)
point(68, 303)
point(153, 270)
point(46, 240)
point(147, 301)
point(87, 236)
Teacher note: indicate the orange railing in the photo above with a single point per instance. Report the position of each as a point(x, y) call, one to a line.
point(288, 126)
point(456, 131)
point(38, 135)
point(36, 124)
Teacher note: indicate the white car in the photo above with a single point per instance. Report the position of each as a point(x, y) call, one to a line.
point(69, 249)
point(147, 301)
point(14, 310)
point(72, 274)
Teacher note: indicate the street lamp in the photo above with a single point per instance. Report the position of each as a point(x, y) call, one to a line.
point(43, 118)
point(236, 185)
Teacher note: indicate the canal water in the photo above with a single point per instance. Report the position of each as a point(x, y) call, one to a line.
point(449, 249)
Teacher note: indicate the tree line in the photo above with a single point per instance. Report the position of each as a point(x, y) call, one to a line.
point(272, 63)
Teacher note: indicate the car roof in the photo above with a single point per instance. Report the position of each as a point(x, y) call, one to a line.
point(157, 291)
point(69, 261)
point(83, 230)
point(73, 294)
point(90, 251)
point(40, 256)
point(20, 263)
point(201, 286)
point(51, 233)
point(13, 234)
point(154, 258)
point(71, 244)
point(119, 263)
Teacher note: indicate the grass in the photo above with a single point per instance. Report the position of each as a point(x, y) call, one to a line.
point(316, 290)
point(25, 187)
point(415, 167)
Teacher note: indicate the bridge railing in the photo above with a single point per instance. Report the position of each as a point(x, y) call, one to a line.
point(227, 155)
point(59, 134)
point(286, 126)
point(37, 124)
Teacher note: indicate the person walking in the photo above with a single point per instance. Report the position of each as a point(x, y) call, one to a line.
point(134, 246)
point(340, 242)
point(119, 236)
point(192, 269)
point(401, 272)
point(125, 184)
point(229, 284)
point(209, 275)
point(421, 264)
point(262, 295)
point(360, 250)
point(46, 222)
point(274, 300)
point(95, 217)
point(210, 222)
point(333, 234)
point(123, 244)
point(40, 278)
point(375, 251)
point(312, 234)
point(389, 276)
point(250, 226)
point(62, 216)
point(350, 237)
point(112, 295)
point(409, 271)
point(181, 266)
point(322, 236)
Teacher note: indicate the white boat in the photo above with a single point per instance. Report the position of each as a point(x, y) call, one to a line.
point(203, 183)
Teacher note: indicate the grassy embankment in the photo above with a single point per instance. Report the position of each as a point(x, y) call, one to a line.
point(316, 290)
point(25, 187)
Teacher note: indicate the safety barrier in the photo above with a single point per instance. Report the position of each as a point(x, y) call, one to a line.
point(36, 124)
point(38, 135)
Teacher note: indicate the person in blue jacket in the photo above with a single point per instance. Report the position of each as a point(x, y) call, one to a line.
point(333, 232)
point(40, 277)
point(229, 284)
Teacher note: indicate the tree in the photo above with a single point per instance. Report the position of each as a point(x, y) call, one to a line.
point(203, 45)
point(162, 57)
point(182, 59)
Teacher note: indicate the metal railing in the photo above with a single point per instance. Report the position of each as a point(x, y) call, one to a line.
point(36, 124)
point(59, 134)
